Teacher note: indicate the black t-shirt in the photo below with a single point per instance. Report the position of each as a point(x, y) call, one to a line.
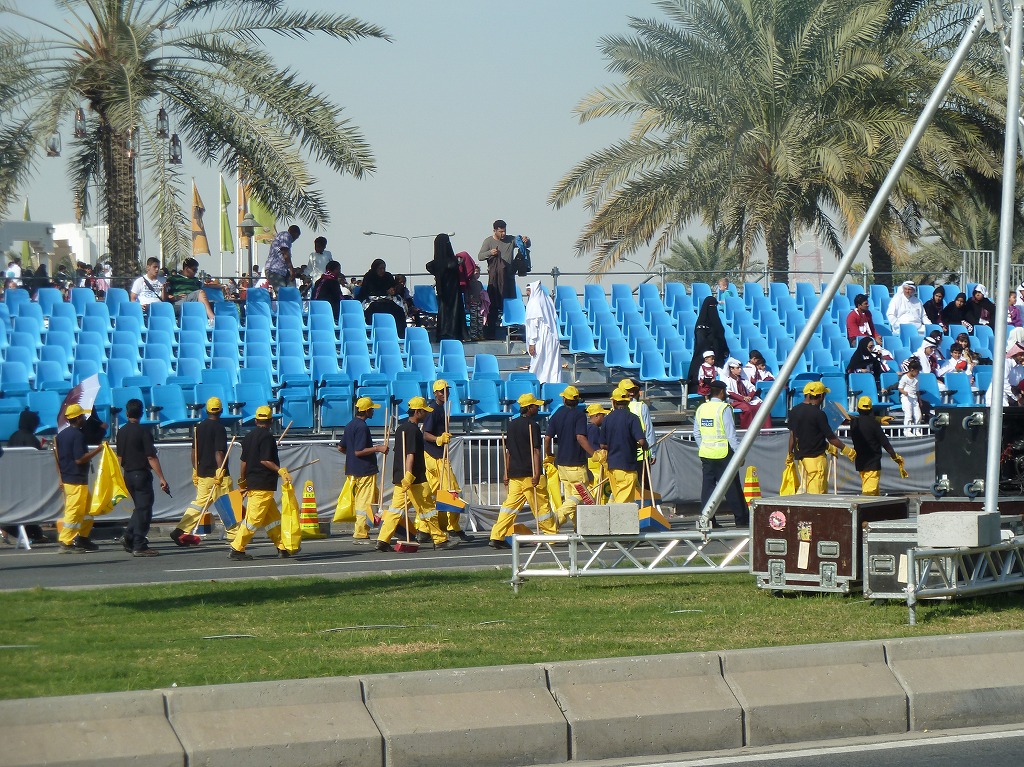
point(522, 434)
point(409, 436)
point(564, 426)
point(595, 435)
point(70, 447)
point(24, 438)
point(211, 438)
point(868, 440)
point(810, 429)
point(622, 432)
point(257, 446)
point(135, 447)
point(434, 424)
point(357, 437)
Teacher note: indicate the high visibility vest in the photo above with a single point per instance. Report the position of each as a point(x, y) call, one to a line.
point(710, 420)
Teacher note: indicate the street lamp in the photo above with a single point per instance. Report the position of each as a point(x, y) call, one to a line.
point(408, 240)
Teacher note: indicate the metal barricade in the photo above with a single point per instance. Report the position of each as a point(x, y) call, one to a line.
point(574, 555)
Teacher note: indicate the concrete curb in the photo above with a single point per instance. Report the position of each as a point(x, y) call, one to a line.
point(539, 714)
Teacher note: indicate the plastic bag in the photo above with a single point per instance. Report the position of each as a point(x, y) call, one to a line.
point(790, 481)
point(291, 532)
point(345, 511)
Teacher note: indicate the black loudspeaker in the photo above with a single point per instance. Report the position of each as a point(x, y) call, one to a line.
point(961, 444)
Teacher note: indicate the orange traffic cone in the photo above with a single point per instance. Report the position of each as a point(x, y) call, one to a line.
point(751, 485)
point(309, 521)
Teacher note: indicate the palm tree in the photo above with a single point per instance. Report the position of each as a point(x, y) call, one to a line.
point(759, 118)
point(707, 260)
point(204, 63)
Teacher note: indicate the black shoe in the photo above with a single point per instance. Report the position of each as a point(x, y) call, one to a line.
point(146, 553)
point(176, 534)
point(424, 538)
point(127, 545)
point(239, 556)
point(285, 554)
point(82, 542)
point(461, 535)
point(383, 546)
point(447, 545)
point(499, 544)
point(70, 548)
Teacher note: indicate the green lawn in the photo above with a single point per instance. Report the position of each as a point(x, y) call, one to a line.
point(145, 637)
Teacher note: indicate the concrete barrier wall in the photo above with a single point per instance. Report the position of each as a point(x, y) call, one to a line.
point(537, 714)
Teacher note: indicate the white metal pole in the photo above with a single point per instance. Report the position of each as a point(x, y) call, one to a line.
point(828, 292)
point(995, 425)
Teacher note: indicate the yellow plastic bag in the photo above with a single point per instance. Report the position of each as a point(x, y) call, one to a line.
point(554, 485)
point(790, 481)
point(345, 510)
point(291, 531)
point(110, 488)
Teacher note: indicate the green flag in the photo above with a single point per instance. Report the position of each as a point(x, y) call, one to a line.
point(226, 243)
point(26, 249)
point(268, 221)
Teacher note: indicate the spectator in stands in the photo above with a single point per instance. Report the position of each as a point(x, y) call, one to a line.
point(451, 311)
point(14, 271)
point(906, 308)
point(377, 292)
point(708, 335)
point(279, 269)
point(859, 322)
point(956, 314)
point(756, 369)
point(1013, 376)
point(957, 362)
point(328, 287)
point(541, 332)
point(319, 259)
point(980, 310)
point(149, 288)
point(929, 354)
point(973, 357)
point(103, 274)
point(742, 394)
point(1013, 318)
point(498, 251)
point(707, 372)
point(934, 306)
point(25, 436)
point(866, 359)
point(910, 394)
point(722, 289)
point(185, 287)
point(478, 304)
point(412, 312)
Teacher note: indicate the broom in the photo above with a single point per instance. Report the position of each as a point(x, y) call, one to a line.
point(380, 496)
point(407, 546)
point(533, 465)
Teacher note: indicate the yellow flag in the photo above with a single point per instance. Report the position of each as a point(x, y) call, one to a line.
point(110, 488)
point(200, 245)
point(291, 531)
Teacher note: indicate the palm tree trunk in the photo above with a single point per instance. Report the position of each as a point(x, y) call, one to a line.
point(121, 203)
point(881, 262)
point(778, 254)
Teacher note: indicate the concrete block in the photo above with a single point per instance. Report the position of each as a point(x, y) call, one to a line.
point(483, 717)
point(958, 529)
point(661, 704)
point(307, 722)
point(961, 681)
point(112, 729)
point(815, 692)
point(593, 519)
point(623, 519)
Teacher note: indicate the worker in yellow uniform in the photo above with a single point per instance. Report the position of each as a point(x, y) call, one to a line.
point(869, 441)
point(209, 448)
point(261, 468)
point(623, 437)
point(523, 478)
point(440, 476)
point(809, 437)
point(715, 433)
point(73, 457)
point(567, 429)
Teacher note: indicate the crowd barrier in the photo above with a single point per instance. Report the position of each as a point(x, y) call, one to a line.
point(29, 492)
point(545, 713)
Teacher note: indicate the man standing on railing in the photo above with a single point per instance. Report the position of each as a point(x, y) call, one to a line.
point(567, 427)
point(279, 269)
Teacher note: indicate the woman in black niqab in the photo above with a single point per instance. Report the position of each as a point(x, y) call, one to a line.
point(451, 308)
point(708, 333)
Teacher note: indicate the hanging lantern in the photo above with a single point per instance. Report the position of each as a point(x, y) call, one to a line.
point(175, 151)
point(80, 129)
point(163, 125)
point(133, 142)
point(53, 145)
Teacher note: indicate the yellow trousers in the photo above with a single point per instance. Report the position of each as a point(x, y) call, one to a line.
point(77, 520)
point(624, 485)
point(569, 475)
point(869, 482)
point(421, 500)
point(599, 473)
point(815, 474)
point(207, 491)
point(260, 511)
point(445, 521)
point(521, 493)
point(364, 490)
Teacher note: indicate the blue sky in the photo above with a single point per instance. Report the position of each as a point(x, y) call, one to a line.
point(469, 111)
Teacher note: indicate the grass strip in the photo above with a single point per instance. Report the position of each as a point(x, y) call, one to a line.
point(130, 638)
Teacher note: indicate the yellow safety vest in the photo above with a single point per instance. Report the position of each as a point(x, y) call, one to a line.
point(713, 442)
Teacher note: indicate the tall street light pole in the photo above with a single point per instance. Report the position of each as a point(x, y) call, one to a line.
point(408, 240)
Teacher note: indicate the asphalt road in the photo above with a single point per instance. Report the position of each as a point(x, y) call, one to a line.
point(44, 566)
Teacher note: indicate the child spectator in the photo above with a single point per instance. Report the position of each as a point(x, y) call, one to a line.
point(910, 395)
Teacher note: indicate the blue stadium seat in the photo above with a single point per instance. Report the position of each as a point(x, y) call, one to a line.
point(173, 410)
point(958, 390)
point(513, 315)
point(80, 298)
point(10, 412)
point(676, 296)
point(485, 397)
point(424, 297)
point(486, 366)
point(248, 397)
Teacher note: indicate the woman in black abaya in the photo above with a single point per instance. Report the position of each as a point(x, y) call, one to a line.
point(708, 334)
point(451, 309)
point(377, 294)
